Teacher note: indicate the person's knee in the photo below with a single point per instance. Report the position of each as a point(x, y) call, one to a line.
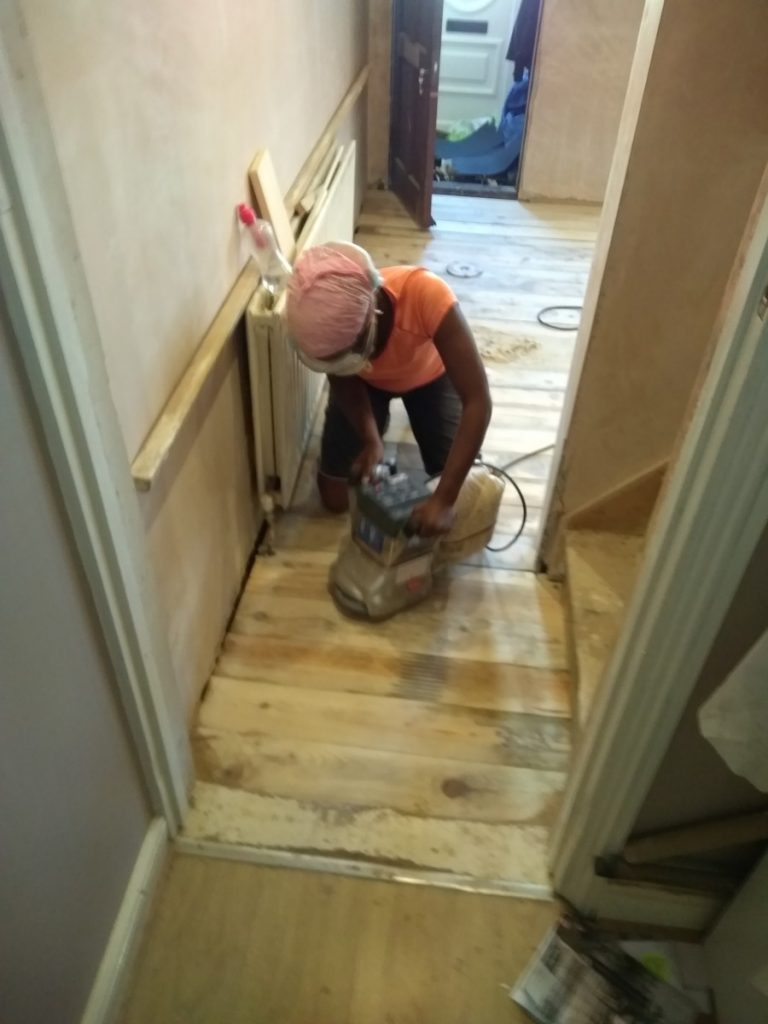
point(334, 493)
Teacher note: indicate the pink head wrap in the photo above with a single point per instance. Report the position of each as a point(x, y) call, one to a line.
point(331, 297)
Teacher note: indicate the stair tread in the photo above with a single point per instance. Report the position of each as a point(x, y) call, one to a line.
point(601, 568)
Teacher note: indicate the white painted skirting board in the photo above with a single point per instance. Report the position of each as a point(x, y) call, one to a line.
point(114, 972)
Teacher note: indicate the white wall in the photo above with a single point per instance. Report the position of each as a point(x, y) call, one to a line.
point(157, 110)
point(73, 812)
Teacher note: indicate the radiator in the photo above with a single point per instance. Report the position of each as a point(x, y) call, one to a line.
point(284, 393)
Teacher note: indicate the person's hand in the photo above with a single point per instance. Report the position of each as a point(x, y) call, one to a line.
point(368, 459)
point(433, 517)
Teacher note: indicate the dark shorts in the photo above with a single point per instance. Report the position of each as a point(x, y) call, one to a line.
point(434, 411)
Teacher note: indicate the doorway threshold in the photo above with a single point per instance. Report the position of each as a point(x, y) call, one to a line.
point(474, 190)
point(352, 866)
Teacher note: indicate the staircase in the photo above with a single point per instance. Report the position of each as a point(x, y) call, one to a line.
point(604, 544)
point(601, 568)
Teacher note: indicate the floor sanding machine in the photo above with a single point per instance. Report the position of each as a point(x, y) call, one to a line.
point(383, 567)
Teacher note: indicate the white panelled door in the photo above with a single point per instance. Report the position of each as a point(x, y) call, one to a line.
point(474, 74)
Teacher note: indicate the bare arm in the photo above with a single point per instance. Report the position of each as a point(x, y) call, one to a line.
point(351, 396)
point(464, 367)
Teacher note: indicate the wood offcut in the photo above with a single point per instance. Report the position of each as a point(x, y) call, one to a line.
point(269, 201)
point(698, 838)
point(324, 143)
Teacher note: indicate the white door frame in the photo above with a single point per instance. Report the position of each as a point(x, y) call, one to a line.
point(44, 287)
point(708, 523)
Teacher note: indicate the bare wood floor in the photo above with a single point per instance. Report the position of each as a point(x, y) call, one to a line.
point(236, 944)
point(439, 740)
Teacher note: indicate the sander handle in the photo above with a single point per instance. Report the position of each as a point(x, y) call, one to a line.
point(384, 469)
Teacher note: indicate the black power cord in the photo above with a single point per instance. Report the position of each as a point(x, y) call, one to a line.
point(503, 472)
point(543, 319)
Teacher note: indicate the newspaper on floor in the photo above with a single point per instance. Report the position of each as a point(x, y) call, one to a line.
point(579, 976)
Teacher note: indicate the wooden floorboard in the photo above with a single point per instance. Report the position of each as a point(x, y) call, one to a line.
point(344, 778)
point(439, 740)
point(443, 678)
point(477, 735)
point(238, 944)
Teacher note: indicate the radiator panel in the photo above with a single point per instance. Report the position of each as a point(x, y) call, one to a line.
point(284, 393)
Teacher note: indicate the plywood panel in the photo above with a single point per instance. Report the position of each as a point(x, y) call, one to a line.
point(580, 75)
point(667, 247)
point(201, 523)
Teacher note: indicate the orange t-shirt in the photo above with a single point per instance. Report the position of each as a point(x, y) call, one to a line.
point(410, 359)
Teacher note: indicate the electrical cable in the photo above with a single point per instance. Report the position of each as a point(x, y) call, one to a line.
point(523, 505)
point(541, 316)
point(528, 455)
point(503, 472)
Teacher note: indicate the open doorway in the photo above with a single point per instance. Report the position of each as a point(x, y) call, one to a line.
point(461, 75)
point(461, 72)
point(487, 51)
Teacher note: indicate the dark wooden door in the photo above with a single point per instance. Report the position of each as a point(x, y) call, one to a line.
point(415, 75)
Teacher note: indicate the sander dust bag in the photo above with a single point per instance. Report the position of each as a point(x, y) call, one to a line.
point(477, 509)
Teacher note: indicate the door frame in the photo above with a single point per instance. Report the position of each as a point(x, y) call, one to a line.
point(44, 285)
point(708, 522)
